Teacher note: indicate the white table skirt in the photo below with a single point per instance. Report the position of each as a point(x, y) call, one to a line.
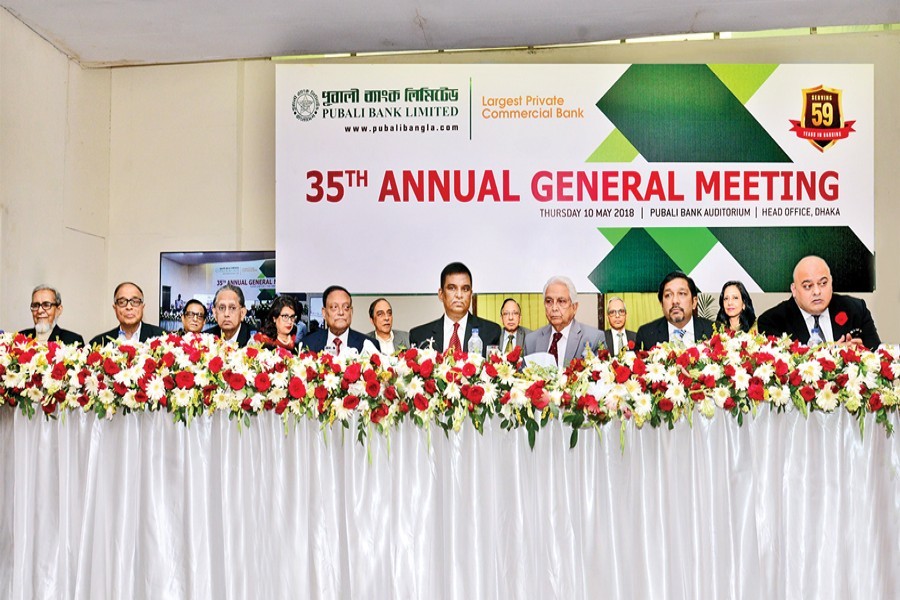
point(139, 507)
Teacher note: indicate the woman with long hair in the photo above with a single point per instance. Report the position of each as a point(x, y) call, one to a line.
point(278, 326)
point(735, 308)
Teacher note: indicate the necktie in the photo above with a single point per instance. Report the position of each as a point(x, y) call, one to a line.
point(621, 337)
point(679, 333)
point(553, 345)
point(509, 343)
point(815, 336)
point(454, 340)
point(337, 346)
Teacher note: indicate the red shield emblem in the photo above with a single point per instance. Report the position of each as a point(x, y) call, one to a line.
point(822, 121)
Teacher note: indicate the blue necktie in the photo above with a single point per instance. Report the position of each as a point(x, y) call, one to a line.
point(816, 336)
point(680, 333)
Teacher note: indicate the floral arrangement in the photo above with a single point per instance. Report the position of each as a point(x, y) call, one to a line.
point(198, 374)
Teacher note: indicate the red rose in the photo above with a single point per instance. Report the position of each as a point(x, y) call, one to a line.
point(216, 364)
point(729, 403)
point(827, 365)
point(252, 352)
point(430, 386)
point(194, 356)
point(390, 392)
point(94, 358)
point(404, 407)
point(807, 393)
point(420, 402)
point(110, 367)
point(756, 390)
point(622, 373)
point(321, 393)
point(354, 370)
point(369, 375)
point(875, 402)
point(468, 370)
point(372, 388)
point(351, 402)
point(639, 367)
point(169, 382)
point(666, 405)
point(886, 371)
point(729, 370)
point(795, 379)
point(379, 413)
point(237, 381)
point(535, 390)
point(184, 379)
point(141, 397)
point(781, 368)
point(375, 360)
point(588, 402)
point(168, 359)
point(476, 394)
point(247, 404)
point(296, 389)
point(426, 368)
point(841, 318)
point(262, 382)
point(281, 406)
point(120, 388)
point(48, 408)
point(59, 371)
point(149, 365)
point(490, 369)
point(514, 354)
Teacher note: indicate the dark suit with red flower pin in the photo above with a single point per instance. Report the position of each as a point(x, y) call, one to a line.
point(847, 315)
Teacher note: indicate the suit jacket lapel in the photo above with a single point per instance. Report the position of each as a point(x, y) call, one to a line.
point(574, 345)
point(801, 331)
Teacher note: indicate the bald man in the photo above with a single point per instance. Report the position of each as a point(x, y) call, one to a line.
point(814, 314)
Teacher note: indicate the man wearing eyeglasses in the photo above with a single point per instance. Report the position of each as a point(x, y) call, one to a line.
point(563, 337)
point(46, 308)
point(337, 337)
point(229, 311)
point(193, 317)
point(128, 302)
point(513, 335)
point(617, 337)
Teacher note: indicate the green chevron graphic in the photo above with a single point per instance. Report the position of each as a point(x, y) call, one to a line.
point(686, 113)
point(642, 256)
point(614, 149)
point(743, 80)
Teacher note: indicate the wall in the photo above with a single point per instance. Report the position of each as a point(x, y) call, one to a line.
point(54, 179)
point(189, 163)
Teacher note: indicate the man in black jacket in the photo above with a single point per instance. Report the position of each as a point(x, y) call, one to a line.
point(678, 297)
point(229, 310)
point(128, 302)
point(46, 308)
point(814, 314)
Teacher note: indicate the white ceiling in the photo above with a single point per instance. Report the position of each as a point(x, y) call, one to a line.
point(119, 32)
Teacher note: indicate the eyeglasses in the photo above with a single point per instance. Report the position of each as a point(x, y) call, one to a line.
point(509, 314)
point(189, 314)
point(616, 313)
point(123, 302)
point(287, 317)
point(36, 306)
point(227, 308)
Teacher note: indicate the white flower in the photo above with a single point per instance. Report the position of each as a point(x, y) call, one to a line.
point(707, 408)
point(452, 391)
point(741, 379)
point(340, 412)
point(712, 369)
point(779, 395)
point(357, 389)
point(332, 381)
point(764, 372)
point(279, 379)
point(676, 394)
point(156, 389)
point(810, 371)
point(182, 397)
point(517, 397)
point(642, 404)
point(720, 395)
point(415, 386)
point(656, 372)
point(827, 399)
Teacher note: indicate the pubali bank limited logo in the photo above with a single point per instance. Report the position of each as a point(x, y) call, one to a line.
point(822, 121)
point(305, 105)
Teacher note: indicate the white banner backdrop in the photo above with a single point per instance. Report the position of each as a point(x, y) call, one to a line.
point(387, 173)
point(139, 507)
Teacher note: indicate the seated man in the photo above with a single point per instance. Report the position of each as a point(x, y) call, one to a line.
point(563, 336)
point(46, 308)
point(337, 307)
point(128, 302)
point(193, 317)
point(229, 311)
point(617, 337)
point(382, 316)
point(678, 297)
point(454, 328)
point(510, 317)
point(814, 314)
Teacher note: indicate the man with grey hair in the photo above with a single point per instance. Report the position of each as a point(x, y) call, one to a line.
point(128, 304)
point(617, 337)
point(563, 337)
point(46, 308)
point(229, 310)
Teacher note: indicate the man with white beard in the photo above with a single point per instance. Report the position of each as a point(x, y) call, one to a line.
point(46, 308)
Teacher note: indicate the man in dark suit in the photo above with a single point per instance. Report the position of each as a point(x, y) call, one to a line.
point(381, 313)
point(128, 302)
point(513, 335)
point(815, 314)
point(678, 297)
point(229, 310)
point(563, 336)
point(337, 308)
point(617, 337)
point(46, 308)
point(455, 327)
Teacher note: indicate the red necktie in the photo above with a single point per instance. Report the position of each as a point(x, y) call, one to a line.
point(454, 340)
point(553, 349)
point(337, 346)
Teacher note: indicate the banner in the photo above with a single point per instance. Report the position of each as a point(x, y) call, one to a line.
point(611, 174)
